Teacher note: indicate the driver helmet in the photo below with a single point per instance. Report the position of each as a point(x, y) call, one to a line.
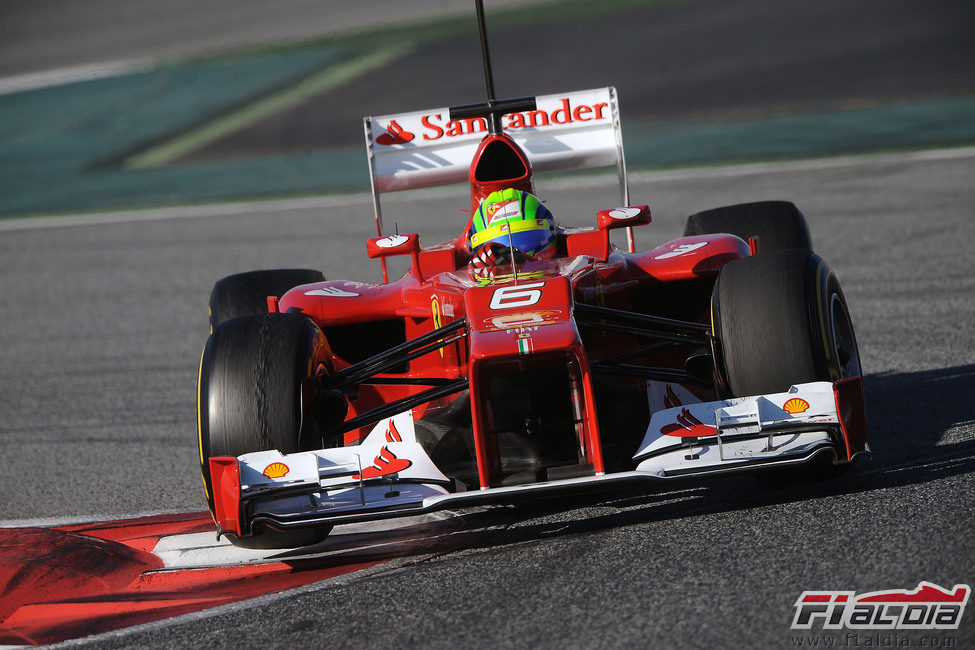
point(516, 218)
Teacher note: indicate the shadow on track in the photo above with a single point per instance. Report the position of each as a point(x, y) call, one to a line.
point(909, 413)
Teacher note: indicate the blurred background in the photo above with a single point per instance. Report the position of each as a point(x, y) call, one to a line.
point(114, 104)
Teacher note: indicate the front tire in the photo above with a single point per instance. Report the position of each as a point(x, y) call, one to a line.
point(251, 376)
point(781, 319)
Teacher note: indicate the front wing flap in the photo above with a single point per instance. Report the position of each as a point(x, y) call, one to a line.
point(389, 474)
point(737, 433)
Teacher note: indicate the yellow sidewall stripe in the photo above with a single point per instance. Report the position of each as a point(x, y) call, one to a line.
point(199, 421)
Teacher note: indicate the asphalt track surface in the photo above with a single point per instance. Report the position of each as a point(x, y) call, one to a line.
point(97, 414)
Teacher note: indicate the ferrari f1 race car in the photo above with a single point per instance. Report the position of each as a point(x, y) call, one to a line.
point(521, 359)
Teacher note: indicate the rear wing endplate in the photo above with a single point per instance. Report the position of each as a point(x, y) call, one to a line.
point(575, 130)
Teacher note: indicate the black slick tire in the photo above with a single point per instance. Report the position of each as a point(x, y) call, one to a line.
point(246, 293)
point(778, 225)
point(249, 398)
point(781, 319)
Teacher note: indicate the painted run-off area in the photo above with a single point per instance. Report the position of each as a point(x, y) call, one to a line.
point(69, 581)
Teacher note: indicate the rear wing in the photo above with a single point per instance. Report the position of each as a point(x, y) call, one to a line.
point(576, 130)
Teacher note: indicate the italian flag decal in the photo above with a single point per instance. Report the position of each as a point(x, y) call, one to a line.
point(524, 346)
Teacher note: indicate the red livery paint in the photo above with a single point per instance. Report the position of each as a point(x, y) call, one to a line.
point(225, 473)
point(848, 393)
point(522, 319)
point(528, 367)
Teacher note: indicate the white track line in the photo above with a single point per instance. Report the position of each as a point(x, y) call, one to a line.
point(182, 212)
point(362, 199)
point(70, 74)
point(811, 164)
point(204, 550)
point(77, 520)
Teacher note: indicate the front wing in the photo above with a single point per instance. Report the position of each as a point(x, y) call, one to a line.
point(390, 475)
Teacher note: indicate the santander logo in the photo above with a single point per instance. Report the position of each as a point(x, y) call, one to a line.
point(395, 134)
point(688, 426)
point(386, 462)
point(502, 211)
point(436, 126)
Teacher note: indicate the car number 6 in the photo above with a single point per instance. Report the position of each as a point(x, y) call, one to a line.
point(516, 296)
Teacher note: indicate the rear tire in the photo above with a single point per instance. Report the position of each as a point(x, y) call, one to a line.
point(250, 398)
point(246, 293)
point(778, 224)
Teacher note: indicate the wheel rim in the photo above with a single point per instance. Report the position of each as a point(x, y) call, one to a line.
point(844, 341)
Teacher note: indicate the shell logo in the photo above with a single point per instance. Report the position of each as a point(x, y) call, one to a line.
point(276, 470)
point(796, 405)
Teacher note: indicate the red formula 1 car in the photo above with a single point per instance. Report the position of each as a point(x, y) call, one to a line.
point(500, 368)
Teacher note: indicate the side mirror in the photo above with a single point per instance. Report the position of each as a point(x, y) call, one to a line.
point(627, 217)
point(392, 245)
